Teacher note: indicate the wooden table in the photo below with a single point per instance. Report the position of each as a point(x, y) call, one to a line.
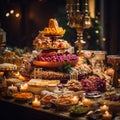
point(11, 110)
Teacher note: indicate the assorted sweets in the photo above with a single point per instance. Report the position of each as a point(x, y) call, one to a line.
point(55, 59)
point(44, 42)
point(92, 83)
point(53, 75)
point(39, 82)
point(23, 96)
point(11, 57)
point(53, 50)
point(7, 67)
point(49, 37)
point(53, 28)
point(78, 109)
point(65, 101)
point(13, 81)
point(115, 97)
point(74, 85)
point(53, 53)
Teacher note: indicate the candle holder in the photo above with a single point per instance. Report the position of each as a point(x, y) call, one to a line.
point(79, 20)
point(36, 101)
point(115, 61)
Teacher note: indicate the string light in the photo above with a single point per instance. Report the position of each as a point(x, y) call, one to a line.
point(97, 41)
point(88, 36)
point(97, 31)
point(11, 11)
point(96, 21)
point(98, 13)
point(96, 17)
point(104, 39)
point(17, 15)
point(7, 15)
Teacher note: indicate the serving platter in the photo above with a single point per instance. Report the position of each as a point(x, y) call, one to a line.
point(52, 64)
point(22, 96)
point(95, 94)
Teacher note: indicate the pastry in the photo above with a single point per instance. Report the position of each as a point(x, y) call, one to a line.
point(53, 28)
point(7, 66)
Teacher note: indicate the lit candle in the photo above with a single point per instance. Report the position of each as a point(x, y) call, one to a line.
point(104, 108)
point(12, 88)
point(87, 102)
point(75, 99)
point(80, 103)
point(24, 87)
point(19, 76)
point(107, 116)
point(36, 102)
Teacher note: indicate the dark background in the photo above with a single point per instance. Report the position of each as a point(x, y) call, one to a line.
point(35, 14)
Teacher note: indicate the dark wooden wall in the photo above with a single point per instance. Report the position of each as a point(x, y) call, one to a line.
point(112, 26)
point(36, 13)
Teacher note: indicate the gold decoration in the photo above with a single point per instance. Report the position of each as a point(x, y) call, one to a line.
point(77, 20)
point(104, 39)
point(97, 31)
point(53, 28)
point(88, 37)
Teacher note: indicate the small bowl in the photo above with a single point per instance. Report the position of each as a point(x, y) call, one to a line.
point(51, 87)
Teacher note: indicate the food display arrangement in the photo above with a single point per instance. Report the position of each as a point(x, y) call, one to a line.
point(52, 48)
point(10, 57)
point(59, 79)
point(7, 67)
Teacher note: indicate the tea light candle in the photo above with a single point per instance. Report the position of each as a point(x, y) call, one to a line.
point(86, 102)
point(107, 116)
point(36, 102)
point(104, 108)
point(12, 88)
point(21, 77)
point(80, 103)
point(75, 99)
point(24, 87)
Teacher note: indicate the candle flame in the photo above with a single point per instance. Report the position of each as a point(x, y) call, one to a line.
point(36, 99)
point(106, 112)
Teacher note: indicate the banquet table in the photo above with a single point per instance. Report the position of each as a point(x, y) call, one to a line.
point(11, 110)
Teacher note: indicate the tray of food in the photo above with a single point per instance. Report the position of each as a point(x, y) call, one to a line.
point(22, 96)
point(78, 110)
point(65, 101)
